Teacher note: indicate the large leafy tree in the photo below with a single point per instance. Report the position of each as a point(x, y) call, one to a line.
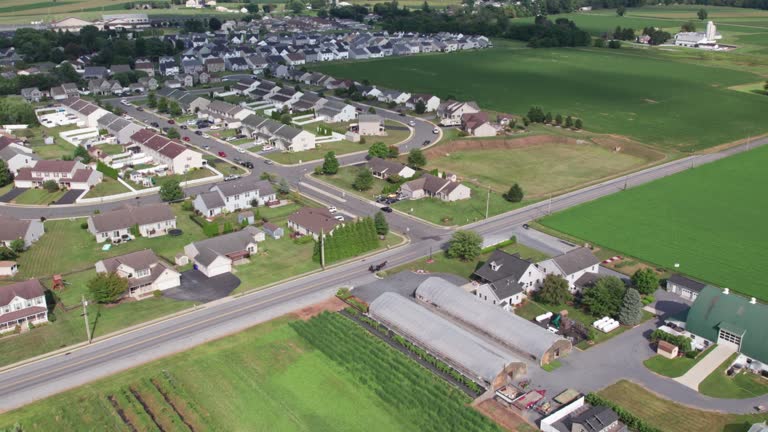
point(107, 287)
point(605, 297)
point(378, 150)
point(171, 190)
point(631, 312)
point(5, 174)
point(416, 158)
point(330, 164)
point(465, 245)
point(646, 281)
point(554, 290)
point(363, 181)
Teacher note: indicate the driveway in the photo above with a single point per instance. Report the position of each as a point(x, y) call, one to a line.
point(197, 287)
point(70, 197)
point(12, 194)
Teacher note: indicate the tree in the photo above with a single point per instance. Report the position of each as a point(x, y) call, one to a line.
point(420, 107)
point(379, 150)
point(599, 43)
point(382, 226)
point(614, 44)
point(283, 188)
point(162, 105)
point(6, 177)
point(548, 118)
point(18, 245)
point(514, 194)
point(631, 312)
point(286, 119)
point(702, 14)
point(605, 297)
point(268, 176)
point(296, 6)
point(646, 281)
point(152, 100)
point(174, 108)
point(173, 133)
point(569, 122)
point(558, 119)
point(416, 158)
point(171, 190)
point(393, 152)
point(621, 10)
point(689, 26)
point(214, 24)
point(465, 245)
point(107, 287)
point(82, 153)
point(577, 124)
point(364, 180)
point(51, 186)
point(554, 290)
point(330, 164)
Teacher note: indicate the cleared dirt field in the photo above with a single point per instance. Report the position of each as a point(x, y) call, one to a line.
point(542, 164)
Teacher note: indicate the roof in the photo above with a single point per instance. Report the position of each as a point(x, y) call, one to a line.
point(506, 288)
point(59, 166)
point(22, 313)
point(210, 249)
point(502, 265)
point(666, 346)
point(369, 118)
point(576, 260)
point(315, 220)
point(245, 185)
point(686, 282)
point(129, 216)
point(713, 310)
point(138, 260)
point(212, 200)
point(385, 166)
point(596, 418)
point(477, 356)
point(27, 289)
point(514, 331)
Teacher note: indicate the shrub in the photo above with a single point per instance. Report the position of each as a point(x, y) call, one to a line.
point(51, 186)
point(106, 170)
point(84, 225)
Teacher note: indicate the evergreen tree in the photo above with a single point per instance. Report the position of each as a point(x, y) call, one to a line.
point(558, 119)
point(548, 118)
point(162, 105)
point(515, 194)
point(330, 164)
point(152, 100)
point(569, 122)
point(382, 226)
point(631, 312)
point(416, 158)
point(577, 124)
point(363, 181)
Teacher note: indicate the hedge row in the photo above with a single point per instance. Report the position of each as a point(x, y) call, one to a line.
point(635, 423)
point(106, 170)
point(350, 240)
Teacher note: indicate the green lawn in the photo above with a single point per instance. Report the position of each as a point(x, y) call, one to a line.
point(670, 416)
point(108, 186)
point(112, 149)
point(674, 368)
point(741, 386)
point(66, 247)
point(710, 220)
point(654, 98)
point(267, 378)
point(38, 197)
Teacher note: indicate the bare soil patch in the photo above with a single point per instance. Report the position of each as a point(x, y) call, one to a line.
point(503, 416)
point(332, 304)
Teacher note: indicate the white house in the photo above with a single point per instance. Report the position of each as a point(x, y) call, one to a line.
point(177, 157)
point(573, 266)
point(506, 279)
point(334, 111)
point(370, 125)
point(87, 113)
point(17, 156)
point(145, 272)
point(313, 221)
point(383, 169)
point(68, 174)
point(22, 303)
point(429, 186)
point(234, 196)
point(29, 230)
point(217, 255)
point(449, 113)
point(282, 136)
point(151, 220)
point(431, 102)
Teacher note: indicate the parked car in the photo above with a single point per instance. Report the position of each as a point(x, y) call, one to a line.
point(386, 209)
point(231, 177)
point(426, 143)
point(332, 209)
point(222, 154)
point(183, 127)
point(247, 164)
point(155, 124)
point(268, 162)
point(186, 138)
point(339, 218)
point(206, 147)
point(171, 121)
point(138, 108)
point(436, 131)
point(125, 102)
point(412, 123)
point(198, 132)
point(241, 150)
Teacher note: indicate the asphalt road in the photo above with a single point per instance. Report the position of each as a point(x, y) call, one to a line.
point(33, 381)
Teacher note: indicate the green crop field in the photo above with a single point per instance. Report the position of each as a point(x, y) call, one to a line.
point(710, 220)
point(654, 100)
point(268, 378)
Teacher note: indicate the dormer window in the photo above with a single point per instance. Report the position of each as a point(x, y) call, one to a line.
point(495, 266)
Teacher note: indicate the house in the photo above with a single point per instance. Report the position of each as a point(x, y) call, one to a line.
point(572, 266)
point(731, 321)
point(383, 169)
point(435, 187)
point(596, 419)
point(146, 66)
point(214, 65)
point(191, 65)
point(707, 39)
point(145, 272)
point(236, 64)
point(370, 125)
point(168, 66)
point(95, 72)
point(125, 21)
point(8, 268)
point(334, 111)
point(31, 94)
point(22, 303)
point(152, 220)
point(666, 349)
point(175, 156)
point(312, 221)
point(449, 113)
point(217, 255)
point(87, 113)
point(505, 279)
point(431, 102)
point(477, 125)
point(231, 115)
point(120, 68)
point(685, 287)
point(272, 230)
point(29, 230)
point(149, 83)
point(233, 196)
point(284, 137)
point(119, 127)
point(68, 174)
point(17, 156)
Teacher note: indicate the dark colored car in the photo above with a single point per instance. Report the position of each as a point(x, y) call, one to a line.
point(198, 132)
point(183, 127)
point(426, 142)
point(386, 209)
point(139, 108)
point(186, 138)
point(222, 154)
point(155, 124)
point(171, 121)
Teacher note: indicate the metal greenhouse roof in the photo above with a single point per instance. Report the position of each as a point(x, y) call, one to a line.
point(466, 351)
point(512, 330)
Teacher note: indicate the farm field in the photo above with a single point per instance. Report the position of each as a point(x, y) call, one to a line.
point(271, 377)
point(667, 104)
point(672, 417)
point(710, 220)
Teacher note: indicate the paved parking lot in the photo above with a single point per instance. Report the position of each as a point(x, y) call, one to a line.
point(197, 287)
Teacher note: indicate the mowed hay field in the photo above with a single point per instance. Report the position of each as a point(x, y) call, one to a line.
point(541, 164)
point(267, 378)
point(711, 220)
point(654, 100)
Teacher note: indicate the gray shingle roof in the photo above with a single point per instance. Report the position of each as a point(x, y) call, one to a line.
point(506, 265)
point(576, 260)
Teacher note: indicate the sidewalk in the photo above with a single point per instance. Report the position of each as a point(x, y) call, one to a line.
point(706, 366)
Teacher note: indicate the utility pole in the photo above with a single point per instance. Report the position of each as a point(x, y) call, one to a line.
point(85, 316)
point(549, 207)
point(488, 202)
point(322, 249)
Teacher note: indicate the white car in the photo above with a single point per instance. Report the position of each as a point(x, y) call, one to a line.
point(214, 127)
point(412, 123)
point(125, 102)
point(332, 209)
point(339, 218)
point(435, 131)
point(240, 150)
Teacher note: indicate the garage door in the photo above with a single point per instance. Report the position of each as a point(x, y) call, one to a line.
point(729, 339)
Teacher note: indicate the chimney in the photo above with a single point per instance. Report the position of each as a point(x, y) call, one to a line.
point(726, 291)
point(753, 301)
